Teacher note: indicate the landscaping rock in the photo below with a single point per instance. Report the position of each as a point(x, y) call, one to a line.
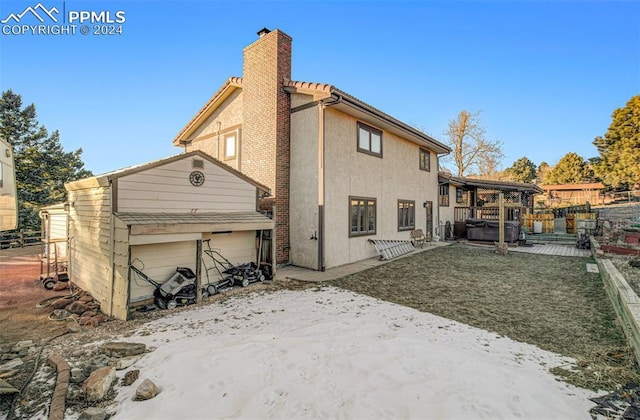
point(77, 375)
point(130, 377)
point(146, 390)
point(635, 263)
point(6, 388)
point(77, 308)
point(61, 303)
point(73, 326)
point(89, 314)
point(60, 286)
point(11, 365)
point(98, 383)
point(122, 349)
point(127, 362)
point(93, 413)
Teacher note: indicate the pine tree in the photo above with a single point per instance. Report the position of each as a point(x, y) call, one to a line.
point(522, 170)
point(619, 148)
point(42, 166)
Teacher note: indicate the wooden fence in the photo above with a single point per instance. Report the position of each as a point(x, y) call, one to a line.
point(574, 221)
point(20, 239)
point(545, 218)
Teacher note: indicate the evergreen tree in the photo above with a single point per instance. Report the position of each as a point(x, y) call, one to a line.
point(42, 166)
point(619, 166)
point(571, 169)
point(522, 170)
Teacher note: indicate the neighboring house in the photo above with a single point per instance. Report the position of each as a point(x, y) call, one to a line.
point(562, 195)
point(341, 171)
point(158, 214)
point(8, 192)
point(463, 198)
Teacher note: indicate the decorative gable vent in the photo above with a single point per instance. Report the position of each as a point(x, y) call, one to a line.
point(198, 164)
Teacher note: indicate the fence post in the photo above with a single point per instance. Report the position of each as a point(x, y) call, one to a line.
point(21, 238)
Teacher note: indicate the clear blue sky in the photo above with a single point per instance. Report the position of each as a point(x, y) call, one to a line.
point(546, 75)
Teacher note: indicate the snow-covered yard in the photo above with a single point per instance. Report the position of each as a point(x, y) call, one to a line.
point(329, 353)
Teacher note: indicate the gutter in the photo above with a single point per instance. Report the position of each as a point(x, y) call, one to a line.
point(390, 120)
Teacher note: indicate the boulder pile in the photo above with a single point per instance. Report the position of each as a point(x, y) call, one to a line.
point(80, 306)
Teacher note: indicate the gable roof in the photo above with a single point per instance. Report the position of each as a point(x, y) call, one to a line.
point(460, 181)
point(103, 180)
point(326, 93)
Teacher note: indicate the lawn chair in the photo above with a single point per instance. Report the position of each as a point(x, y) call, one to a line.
point(418, 238)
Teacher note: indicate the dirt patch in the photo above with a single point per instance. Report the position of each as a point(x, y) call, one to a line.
point(549, 301)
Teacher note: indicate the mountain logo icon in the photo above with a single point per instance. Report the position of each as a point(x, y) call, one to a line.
point(38, 11)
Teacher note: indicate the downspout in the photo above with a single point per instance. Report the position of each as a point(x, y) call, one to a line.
point(321, 238)
point(438, 192)
point(321, 179)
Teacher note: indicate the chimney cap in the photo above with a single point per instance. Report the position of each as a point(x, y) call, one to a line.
point(262, 32)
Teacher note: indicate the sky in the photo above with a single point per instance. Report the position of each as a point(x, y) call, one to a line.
point(544, 75)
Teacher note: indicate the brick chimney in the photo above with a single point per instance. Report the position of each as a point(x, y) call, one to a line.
point(264, 149)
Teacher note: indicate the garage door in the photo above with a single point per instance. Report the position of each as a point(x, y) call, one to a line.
point(237, 247)
point(160, 262)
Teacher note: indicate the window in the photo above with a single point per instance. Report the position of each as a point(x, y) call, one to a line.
point(425, 160)
point(444, 195)
point(362, 216)
point(406, 215)
point(230, 146)
point(461, 196)
point(369, 140)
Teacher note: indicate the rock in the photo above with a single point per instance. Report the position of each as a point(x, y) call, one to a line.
point(85, 299)
point(73, 326)
point(61, 303)
point(6, 388)
point(101, 361)
point(635, 263)
point(77, 308)
point(23, 344)
point(93, 413)
point(127, 362)
point(122, 349)
point(7, 374)
point(96, 386)
point(130, 377)
point(146, 390)
point(77, 375)
point(59, 314)
point(89, 314)
point(11, 365)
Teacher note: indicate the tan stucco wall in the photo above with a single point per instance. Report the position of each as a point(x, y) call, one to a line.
point(351, 173)
point(303, 188)
point(229, 114)
point(298, 99)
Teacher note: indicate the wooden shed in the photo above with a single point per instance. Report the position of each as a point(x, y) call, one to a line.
point(157, 215)
point(54, 230)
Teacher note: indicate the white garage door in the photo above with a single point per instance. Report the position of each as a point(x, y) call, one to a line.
point(161, 260)
point(237, 247)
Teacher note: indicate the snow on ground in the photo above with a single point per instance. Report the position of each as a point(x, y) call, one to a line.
point(334, 354)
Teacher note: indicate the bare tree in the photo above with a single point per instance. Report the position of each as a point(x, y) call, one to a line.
point(471, 150)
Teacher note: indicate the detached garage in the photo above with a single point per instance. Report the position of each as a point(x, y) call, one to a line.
point(156, 216)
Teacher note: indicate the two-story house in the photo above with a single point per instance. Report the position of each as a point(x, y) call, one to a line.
point(340, 171)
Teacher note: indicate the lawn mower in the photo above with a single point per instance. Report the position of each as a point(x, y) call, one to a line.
point(179, 289)
point(230, 274)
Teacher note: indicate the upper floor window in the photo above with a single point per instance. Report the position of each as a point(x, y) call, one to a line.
point(406, 214)
point(369, 140)
point(362, 216)
point(443, 199)
point(425, 160)
point(230, 146)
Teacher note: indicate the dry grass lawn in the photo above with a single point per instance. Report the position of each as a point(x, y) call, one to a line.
point(549, 301)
